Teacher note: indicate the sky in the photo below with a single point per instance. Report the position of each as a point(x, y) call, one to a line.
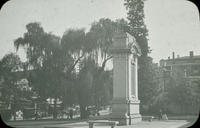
point(173, 25)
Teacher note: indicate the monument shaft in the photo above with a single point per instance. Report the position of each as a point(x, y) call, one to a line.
point(125, 104)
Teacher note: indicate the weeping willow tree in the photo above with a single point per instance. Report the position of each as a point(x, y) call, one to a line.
point(76, 44)
point(42, 51)
point(91, 48)
point(101, 36)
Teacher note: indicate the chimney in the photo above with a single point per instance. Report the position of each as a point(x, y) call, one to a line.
point(173, 55)
point(168, 57)
point(191, 54)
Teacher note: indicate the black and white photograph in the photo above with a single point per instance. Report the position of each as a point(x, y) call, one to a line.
point(99, 63)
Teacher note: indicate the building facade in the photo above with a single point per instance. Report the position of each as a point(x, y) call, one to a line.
point(185, 71)
point(187, 66)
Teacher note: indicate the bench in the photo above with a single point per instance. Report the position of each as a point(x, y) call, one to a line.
point(107, 122)
point(151, 118)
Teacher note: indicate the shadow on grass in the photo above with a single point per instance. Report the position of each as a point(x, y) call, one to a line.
point(43, 122)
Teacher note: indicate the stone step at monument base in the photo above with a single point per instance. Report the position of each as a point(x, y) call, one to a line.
point(127, 120)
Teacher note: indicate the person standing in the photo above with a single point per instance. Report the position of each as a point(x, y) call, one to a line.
point(36, 115)
point(160, 115)
point(71, 113)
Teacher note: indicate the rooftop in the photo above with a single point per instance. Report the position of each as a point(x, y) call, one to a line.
point(191, 56)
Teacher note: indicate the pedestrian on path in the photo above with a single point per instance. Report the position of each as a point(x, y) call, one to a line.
point(71, 113)
point(160, 114)
point(36, 115)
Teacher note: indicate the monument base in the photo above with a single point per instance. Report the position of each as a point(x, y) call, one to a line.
point(126, 111)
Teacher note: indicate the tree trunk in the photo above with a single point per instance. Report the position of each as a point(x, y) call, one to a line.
point(83, 112)
point(55, 109)
point(14, 108)
point(14, 113)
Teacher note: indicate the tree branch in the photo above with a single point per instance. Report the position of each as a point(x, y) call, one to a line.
point(72, 66)
point(104, 62)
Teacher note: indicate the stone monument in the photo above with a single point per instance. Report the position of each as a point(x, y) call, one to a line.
point(125, 104)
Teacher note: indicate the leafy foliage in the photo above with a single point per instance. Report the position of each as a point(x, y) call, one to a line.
point(13, 94)
point(8, 65)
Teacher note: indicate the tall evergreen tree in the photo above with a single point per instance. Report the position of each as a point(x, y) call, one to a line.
point(137, 26)
point(138, 29)
point(44, 60)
